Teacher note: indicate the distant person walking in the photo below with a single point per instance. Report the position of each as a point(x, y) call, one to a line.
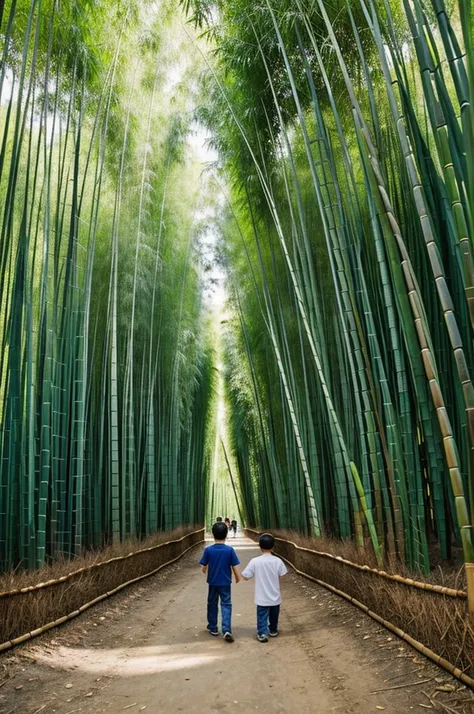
point(267, 569)
point(233, 527)
point(218, 562)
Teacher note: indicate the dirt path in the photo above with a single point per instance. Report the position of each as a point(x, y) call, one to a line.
point(148, 650)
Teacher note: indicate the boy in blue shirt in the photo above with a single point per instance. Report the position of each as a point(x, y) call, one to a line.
point(219, 561)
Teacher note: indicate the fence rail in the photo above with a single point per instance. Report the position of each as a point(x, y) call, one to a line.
point(28, 612)
point(87, 568)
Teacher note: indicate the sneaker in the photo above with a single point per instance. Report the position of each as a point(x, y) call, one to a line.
point(214, 633)
point(262, 638)
point(228, 637)
point(273, 634)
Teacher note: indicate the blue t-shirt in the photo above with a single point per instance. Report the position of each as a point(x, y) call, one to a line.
point(219, 558)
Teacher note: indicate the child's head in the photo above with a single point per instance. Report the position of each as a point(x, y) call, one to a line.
point(266, 542)
point(219, 531)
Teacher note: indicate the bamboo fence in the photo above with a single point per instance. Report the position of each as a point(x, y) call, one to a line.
point(16, 600)
point(419, 584)
point(399, 632)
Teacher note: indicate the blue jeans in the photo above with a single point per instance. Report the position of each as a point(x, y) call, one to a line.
point(216, 592)
point(267, 619)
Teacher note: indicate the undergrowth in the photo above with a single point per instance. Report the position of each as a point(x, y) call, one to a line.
point(448, 574)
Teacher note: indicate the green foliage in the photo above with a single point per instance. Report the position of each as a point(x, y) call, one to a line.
point(106, 372)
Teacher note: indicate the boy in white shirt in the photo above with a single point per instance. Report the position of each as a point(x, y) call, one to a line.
point(267, 570)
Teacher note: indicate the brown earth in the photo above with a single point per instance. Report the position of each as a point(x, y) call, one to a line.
point(147, 650)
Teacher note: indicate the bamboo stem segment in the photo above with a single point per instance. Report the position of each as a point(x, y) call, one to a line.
point(470, 588)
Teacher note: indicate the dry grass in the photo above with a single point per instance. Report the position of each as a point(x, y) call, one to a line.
point(450, 575)
point(16, 579)
point(24, 612)
point(440, 623)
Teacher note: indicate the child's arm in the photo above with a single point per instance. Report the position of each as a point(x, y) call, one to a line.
point(249, 571)
point(204, 561)
point(282, 570)
point(234, 563)
point(237, 575)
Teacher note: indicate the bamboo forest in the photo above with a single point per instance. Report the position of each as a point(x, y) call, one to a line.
point(237, 273)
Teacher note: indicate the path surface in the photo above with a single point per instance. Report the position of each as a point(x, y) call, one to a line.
point(147, 650)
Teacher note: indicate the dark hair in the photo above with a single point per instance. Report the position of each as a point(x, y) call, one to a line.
point(219, 519)
point(266, 541)
point(219, 531)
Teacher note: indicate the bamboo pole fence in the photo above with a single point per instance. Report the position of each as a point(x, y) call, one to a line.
point(87, 568)
point(9, 644)
point(419, 646)
point(420, 585)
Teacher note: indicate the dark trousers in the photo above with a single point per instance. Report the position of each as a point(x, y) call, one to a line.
point(216, 593)
point(267, 618)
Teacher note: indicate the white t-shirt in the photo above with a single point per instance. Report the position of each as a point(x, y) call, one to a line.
point(267, 570)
